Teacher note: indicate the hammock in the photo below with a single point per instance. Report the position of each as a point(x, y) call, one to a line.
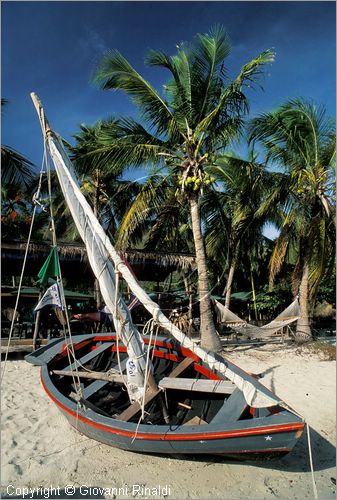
point(227, 317)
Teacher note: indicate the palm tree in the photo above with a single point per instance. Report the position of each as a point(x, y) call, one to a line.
point(198, 115)
point(109, 194)
point(155, 218)
point(15, 168)
point(300, 139)
point(16, 176)
point(233, 228)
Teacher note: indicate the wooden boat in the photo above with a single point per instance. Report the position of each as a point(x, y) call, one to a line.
point(174, 396)
point(207, 413)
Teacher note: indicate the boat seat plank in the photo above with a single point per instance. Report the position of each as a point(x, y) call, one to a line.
point(198, 385)
point(93, 387)
point(195, 421)
point(232, 409)
point(99, 384)
point(88, 357)
point(109, 377)
point(179, 369)
point(134, 408)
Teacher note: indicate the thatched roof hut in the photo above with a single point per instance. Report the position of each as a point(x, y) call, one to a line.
point(147, 266)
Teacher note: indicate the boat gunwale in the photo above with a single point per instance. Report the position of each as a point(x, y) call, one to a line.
point(165, 432)
point(161, 341)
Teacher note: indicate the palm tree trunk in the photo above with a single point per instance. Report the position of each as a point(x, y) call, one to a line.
point(230, 278)
point(209, 337)
point(303, 330)
point(189, 293)
point(229, 284)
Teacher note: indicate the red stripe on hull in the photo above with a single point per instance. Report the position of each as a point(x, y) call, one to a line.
point(185, 352)
point(205, 371)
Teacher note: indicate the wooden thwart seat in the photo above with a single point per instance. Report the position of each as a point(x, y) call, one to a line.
point(106, 376)
point(88, 357)
point(99, 384)
point(93, 387)
point(134, 408)
point(232, 409)
point(198, 385)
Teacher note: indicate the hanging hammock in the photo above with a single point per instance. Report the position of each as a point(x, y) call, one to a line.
point(227, 317)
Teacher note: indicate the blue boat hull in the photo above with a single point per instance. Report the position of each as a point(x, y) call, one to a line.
point(275, 432)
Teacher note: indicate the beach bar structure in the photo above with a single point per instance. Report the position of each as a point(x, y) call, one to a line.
point(147, 266)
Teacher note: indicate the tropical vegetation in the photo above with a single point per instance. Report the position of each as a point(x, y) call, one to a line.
point(198, 196)
point(185, 129)
point(299, 138)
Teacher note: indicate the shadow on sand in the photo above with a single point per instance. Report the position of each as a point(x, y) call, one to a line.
point(323, 453)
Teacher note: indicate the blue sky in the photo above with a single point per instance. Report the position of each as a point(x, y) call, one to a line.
point(52, 47)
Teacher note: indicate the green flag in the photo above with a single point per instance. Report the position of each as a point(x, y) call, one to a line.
point(50, 268)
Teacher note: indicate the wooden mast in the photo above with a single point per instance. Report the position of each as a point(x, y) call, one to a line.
point(47, 131)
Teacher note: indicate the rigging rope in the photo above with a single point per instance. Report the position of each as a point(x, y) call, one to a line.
point(69, 347)
point(35, 199)
point(311, 464)
point(149, 326)
point(118, 326)
point(286, 406)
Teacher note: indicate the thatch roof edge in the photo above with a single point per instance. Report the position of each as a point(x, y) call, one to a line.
point(181, 261)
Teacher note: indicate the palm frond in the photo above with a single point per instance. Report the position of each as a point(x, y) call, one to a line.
point(232, 99)
point(210, 52)
point(114, 72)
point(117, 144)
point(15, 168)
point(277, 257)
point(178, 90)
point(147, 201)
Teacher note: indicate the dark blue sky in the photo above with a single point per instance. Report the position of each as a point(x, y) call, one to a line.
point(52, 47)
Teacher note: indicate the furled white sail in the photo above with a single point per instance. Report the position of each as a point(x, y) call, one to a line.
point(98, 251)
point(286, 317)
point(101, 254)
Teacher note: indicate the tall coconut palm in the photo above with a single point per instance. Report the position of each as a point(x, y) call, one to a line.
point(199, 113)
point(300, 139)
point(109, 194)
point(233, 228)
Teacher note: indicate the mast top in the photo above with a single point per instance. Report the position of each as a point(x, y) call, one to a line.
point(41, 114)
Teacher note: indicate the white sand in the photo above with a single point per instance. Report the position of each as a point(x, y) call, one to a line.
point(40, 449)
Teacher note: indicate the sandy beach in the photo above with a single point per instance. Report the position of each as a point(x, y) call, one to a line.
point(40, 450)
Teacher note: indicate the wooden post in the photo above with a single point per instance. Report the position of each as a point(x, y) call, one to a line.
point(37, 321)
point(153, 385)
point(254, 296)
point(189, 293)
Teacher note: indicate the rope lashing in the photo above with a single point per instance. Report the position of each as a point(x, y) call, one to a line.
point(35, 200)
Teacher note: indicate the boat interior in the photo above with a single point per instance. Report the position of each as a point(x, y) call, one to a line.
point(185, 392)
